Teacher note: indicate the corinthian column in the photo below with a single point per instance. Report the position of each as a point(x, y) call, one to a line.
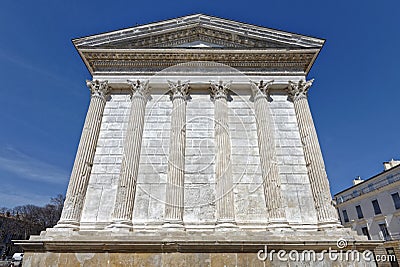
point(223, 164)
point(176, 161)
point(79, 180)
point(326, 213)
point(123, 209)
point(266, 146)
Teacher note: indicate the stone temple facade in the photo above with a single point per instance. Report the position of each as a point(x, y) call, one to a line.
point(198, 149)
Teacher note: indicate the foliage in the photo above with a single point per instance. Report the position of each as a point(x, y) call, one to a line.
point(23, 221)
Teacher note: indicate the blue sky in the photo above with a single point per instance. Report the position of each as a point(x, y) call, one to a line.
point(354, 99)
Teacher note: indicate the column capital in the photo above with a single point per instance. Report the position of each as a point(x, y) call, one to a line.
point(140, 89)
point(98, 88)
point(299, 90)
point(220, 89)
point(178, 89)
point(260, 89)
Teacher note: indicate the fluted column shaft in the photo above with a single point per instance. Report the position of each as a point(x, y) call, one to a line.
point(176, 162)
point(326, 212)
point(223, 163)
point(123, 209)
point(77, 187)
point(266, 146)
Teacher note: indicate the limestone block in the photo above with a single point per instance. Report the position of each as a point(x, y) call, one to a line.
point(142, 202)
point(197, 259)
point(297, 179)
point(293, 213)
point(146, 259)
point(250, 203)
point(157, 200)
point(106, 205)
point(174, 260)
point(92, 202)
point(305, 201)
point(284, 127)
point(223, 259)
point(207, 209)
point(249, 259)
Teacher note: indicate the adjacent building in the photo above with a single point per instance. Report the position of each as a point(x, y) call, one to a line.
point(372, 207)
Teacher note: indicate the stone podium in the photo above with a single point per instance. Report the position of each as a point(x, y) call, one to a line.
point(198, 149)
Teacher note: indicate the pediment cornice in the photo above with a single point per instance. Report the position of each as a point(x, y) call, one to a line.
point(199, 27)
point(203, 33)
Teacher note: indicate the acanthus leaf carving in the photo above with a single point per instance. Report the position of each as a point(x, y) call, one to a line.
point(219, 89)
point(299, 90)
point(98, 88)
point(260, 89)
point(178, 89)
point(140, 89)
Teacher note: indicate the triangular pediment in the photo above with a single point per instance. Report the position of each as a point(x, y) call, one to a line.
point(150, 48)
point(198, 31)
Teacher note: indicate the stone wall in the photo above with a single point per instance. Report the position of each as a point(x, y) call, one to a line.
point(292, 168)
point(200, 156)
point(103, 183)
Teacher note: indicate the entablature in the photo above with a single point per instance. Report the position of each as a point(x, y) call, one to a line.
point(151, 61)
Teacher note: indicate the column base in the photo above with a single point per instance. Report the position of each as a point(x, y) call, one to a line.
point(68, 224)
point(329, 225)
point(225, 224)
point(121, 224)
point(279, 226)
point(174, 225)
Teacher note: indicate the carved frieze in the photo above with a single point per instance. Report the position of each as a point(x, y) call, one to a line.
point(154, 61)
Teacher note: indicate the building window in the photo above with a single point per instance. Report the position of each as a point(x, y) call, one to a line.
point(370, 187)
point(345, 216)
point(356, 193)
point(359, 212)
point(390, 179)
point(366, 232)
point(396, 200)
point(377, 208)
point(385, 232)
